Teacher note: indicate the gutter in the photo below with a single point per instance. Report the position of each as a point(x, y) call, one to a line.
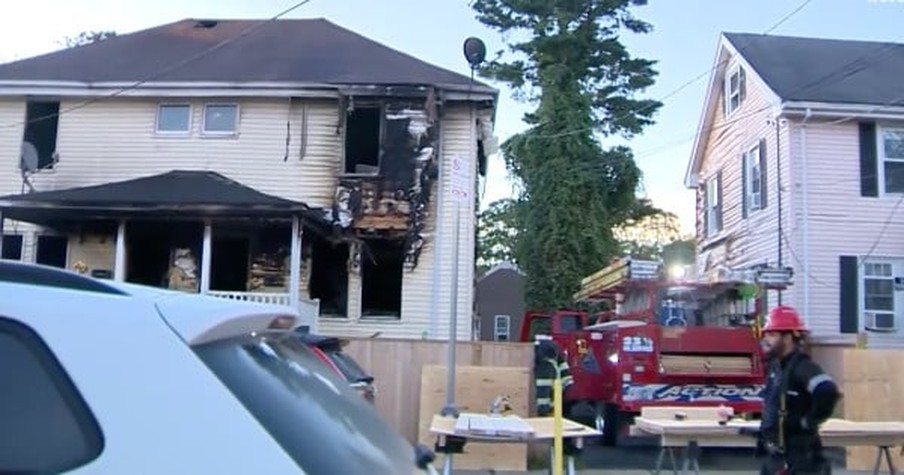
point(837, 110)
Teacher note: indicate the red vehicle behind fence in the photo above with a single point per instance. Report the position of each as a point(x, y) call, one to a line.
point(666, 343)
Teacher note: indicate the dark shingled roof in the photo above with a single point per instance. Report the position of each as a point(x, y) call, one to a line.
point(826, 70)
point(299, 51)
point(174, 190)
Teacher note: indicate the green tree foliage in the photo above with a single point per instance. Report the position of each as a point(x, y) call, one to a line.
point(497, 229)
point(646, 238)
point(87, 37)
point(572, 65)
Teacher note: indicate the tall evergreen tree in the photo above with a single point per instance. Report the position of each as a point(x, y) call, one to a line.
point(573, 66)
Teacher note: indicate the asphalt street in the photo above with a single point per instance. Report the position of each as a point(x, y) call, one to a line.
point(637, 460)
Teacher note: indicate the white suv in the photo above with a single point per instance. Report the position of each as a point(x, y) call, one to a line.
point(103, 377)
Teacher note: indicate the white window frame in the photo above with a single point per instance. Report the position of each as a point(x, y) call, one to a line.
point(507, 324)
point(179, 133)
point(728, 94)
point(882, 159)
point(711, 201)
point(866, 314)
point(220, 133)
point(752, 165)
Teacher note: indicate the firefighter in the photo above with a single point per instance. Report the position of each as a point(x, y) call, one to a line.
point(798, 398)
point(548, 363)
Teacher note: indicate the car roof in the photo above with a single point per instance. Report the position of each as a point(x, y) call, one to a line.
point(196, 318)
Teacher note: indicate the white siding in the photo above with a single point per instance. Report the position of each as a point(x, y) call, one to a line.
point(12, 114)
point(419, 319)
point(115, 140)
point(752, 240)
point(840, 222)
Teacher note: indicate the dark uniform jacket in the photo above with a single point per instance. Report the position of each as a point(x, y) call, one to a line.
point(549, 364)
point(810, 395)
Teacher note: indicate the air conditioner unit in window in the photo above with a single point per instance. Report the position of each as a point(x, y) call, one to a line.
point(880, 322)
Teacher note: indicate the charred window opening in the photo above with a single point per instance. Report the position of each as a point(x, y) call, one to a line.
point(41, 124)
point(382, 262)
point(362, 140)
point(329, 276)
point(12, 247)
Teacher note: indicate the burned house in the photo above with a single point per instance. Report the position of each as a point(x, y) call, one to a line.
point(301, 164)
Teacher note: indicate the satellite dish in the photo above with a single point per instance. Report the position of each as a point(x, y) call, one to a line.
point(475, 51)
point(29, 158)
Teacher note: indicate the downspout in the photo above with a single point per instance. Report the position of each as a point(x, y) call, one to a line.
point(805, 258)
point(778, 175)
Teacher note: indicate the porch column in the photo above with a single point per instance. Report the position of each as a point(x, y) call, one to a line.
point(119, 262)
point(206, 257)
point(295, 263)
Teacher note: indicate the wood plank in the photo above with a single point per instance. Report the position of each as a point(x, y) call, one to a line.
point(690, 413)
point(832, 427)
point(475, 389)
point(872, 384)
point(543, 429)
point(396, 366)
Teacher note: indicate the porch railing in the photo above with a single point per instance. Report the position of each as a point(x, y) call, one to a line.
point(275, 298)
point(309, 309)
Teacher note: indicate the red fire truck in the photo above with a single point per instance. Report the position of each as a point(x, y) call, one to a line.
point(665, 341)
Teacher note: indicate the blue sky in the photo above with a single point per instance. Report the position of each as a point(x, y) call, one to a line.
point(683, 42)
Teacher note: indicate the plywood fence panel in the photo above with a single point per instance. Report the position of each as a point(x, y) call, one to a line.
point(396, 366)
point(872, 382)
point(475, 389)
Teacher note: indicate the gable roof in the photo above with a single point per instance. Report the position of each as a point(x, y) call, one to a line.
point(825, 70)
point(502, 266)
point(301, 51)
point(798, 71)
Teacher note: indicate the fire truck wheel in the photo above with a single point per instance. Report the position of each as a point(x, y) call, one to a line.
point(607, 422)
point(602, 417)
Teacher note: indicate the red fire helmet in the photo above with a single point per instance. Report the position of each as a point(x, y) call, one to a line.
point(784, 319)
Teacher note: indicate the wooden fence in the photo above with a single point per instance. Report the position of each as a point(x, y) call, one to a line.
point(872, 383)
point(396, 366)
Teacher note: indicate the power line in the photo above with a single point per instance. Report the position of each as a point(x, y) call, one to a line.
point(838, 74)
point(167, 70)
point(680, 88)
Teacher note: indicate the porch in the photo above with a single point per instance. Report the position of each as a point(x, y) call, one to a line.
point(191, 231)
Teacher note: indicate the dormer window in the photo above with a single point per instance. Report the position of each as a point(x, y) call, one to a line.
point(734, 88)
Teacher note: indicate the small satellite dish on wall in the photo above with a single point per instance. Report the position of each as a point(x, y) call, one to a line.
point(29, 157)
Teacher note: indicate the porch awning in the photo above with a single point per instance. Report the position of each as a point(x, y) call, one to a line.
point(178, 193)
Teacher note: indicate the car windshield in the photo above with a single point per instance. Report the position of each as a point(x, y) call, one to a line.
point(315, 416)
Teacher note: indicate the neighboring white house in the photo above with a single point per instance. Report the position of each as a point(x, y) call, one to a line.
point(293, 161)
point(799, 161)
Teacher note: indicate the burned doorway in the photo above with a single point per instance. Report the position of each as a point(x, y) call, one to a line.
point(229, 263)
point(382, 261)
point(52, 251)
point(154, 254)
point(329, 276)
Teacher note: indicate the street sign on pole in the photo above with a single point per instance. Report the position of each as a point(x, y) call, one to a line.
point(460, 179)
point(460, 189)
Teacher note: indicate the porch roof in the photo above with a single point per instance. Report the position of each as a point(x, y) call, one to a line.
point(177, 193)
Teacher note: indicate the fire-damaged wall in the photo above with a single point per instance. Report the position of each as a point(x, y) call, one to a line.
point(390, 168)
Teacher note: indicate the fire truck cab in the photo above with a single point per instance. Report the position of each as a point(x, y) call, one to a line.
point(664, 341)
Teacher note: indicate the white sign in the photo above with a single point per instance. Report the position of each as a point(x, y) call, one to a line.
point(460, 180)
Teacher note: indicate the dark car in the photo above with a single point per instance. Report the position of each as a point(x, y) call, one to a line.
point(329, 350)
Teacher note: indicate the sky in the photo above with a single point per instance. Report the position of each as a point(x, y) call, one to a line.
point(683, 42)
